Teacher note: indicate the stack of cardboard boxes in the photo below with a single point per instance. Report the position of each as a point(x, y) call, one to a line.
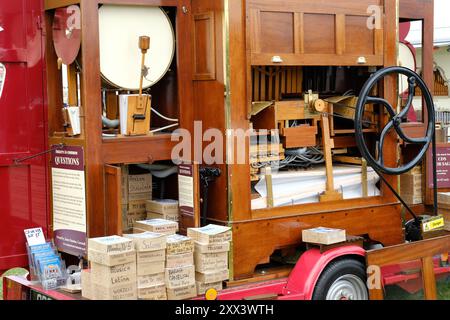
point(444, 208)
point(136, 190)
point(212, 245)
point(180, 270)
point(155, 263)
point(113, 269)
point(162, 209)
point(151, 255)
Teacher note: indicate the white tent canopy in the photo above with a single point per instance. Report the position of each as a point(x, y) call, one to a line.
point(441, 26)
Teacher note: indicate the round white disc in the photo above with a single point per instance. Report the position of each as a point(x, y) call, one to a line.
point(407, 60)
point(120, 56)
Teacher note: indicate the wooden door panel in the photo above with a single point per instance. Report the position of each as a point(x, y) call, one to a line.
point(319, 33)
point(277, 32)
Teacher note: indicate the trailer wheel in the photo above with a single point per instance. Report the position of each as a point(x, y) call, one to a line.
point(342, 280)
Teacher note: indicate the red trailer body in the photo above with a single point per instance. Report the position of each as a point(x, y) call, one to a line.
point(23, 125)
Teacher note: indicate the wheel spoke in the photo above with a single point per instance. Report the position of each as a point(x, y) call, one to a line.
point(383, 102)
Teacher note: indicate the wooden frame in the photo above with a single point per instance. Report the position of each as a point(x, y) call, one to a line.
point(282, 226)
point(424, 250)
point(423, 10)
point(101, 152)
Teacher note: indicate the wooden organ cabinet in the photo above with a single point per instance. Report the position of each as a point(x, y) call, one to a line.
point(273, 53)
point(265, 55)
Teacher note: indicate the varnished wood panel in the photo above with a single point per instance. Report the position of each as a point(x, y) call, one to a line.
point(54, 80)
point(137, 149)
point(320, 33)
point(359, 39)
point(306, 33)
point(204, 46)
point(238, 174)
point(113, 200)
point(91, 101)
point(380, 224)
point(276, 32)
point(209, 107)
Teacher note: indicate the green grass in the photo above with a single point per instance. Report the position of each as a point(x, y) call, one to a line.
point(12, 272)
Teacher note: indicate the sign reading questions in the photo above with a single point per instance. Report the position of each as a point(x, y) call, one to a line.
point(69, 200)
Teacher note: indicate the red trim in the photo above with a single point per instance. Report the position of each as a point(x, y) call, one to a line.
point(25, 283)
point(308, 269)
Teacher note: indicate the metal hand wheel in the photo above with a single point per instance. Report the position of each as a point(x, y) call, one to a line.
point(395, 120)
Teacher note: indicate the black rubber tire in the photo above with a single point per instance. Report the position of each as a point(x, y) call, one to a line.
point(334, 271)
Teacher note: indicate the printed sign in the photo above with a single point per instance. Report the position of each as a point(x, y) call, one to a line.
point(186, 188)
point(69, 200)
point(442, 167)
point(34, 236)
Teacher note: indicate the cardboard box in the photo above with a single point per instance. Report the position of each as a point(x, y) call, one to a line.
point(180, 277)
point(148, 241)
point(323, 236)
point(213, 276)
point(131, 218)
point(153, 293)
point(167, 216)
point(158, 226)
point(209, 262)
point(139, 183)
point(124, 215)
point(212, 248)
point(139, 196)
point(150, 268)
point(182, 293)
point(151, 256)
point(151, 280)
point(124, 180)
point(126, 292)
point(110, 245)
point(210, 234)
point(178, 244)
point(411, 188)
point(138, 230)
point(86, 284)
point(111, 259)
point(443, 199)
point(162, 206)
point(179, 260)
point(203, 287)
point(114, 276)
point(137, 206)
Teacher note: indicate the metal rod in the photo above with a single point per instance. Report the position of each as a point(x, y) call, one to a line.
point(59, 146)
point(435, 186)
point(396, 194)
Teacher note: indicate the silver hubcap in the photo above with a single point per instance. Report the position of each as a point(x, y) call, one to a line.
point(348, 287)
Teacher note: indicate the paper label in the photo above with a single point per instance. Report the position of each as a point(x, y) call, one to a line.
point(34, 236)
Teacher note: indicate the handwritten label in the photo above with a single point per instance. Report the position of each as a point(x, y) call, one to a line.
point(34, 236)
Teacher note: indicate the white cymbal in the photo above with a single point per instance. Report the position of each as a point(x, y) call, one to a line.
point(120, 57)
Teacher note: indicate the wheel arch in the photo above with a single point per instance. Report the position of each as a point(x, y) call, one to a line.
point(311, 265)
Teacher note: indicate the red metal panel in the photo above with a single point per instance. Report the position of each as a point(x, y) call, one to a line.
point(23, 188)
point(308, 269)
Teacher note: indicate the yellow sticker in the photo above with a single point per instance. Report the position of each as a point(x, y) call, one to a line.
point(211, 294)
point(434, 224)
